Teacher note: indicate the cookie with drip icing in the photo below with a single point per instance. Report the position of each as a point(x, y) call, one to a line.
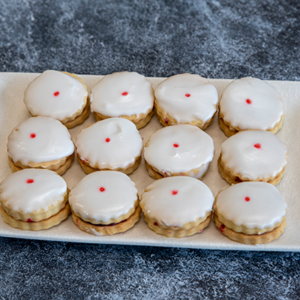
point(250, 212)
point(127, 95)
point(181, 150)
point(34, 199)
point(111, 144)
point(186, 99)
point(250, 103)
point(40, 142)
point(253, 155)
point(105, 203)
point(177, 206)
point(59, 95)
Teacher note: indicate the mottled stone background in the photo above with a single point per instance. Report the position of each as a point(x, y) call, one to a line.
point(216, 39)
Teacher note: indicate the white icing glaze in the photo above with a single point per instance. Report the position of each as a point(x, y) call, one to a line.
point(96, 232)
point(201, 103)
point(116, 200)
point(125, 143)
point(47, 189)
point(241, 156)
point(52, 141)
point(40, 96)
point(107, 98)
point(265, 208)
point(264, 111)
point(195, 149)
point(192, 201)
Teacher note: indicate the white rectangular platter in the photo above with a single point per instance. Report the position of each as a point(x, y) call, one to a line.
point(13, 111)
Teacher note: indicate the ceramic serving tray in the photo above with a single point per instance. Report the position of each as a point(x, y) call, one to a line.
point(13, 111)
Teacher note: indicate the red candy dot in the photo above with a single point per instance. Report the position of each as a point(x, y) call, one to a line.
point(30, 181)
point(174, 192)
point(155, 223)
point(29, 220)
point(175, 145)
point(248, 101)
point(166, 120)
point(188, 95)
point(247, 199)
point(32, 135)
point(107, 140)
point(102, 189)
point(56, 94)
point(258, 146)
point(124, 93)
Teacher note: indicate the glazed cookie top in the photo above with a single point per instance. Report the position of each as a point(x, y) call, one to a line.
point(251, 204)
point(111, 143)
point(32, 190)
point(187, 97)
point(250, 103)
point(254, 154)
point(175, 201)
point(39, 139)
point(123, 93)
point(179, 148)
point(103, 195)
point(55, 94)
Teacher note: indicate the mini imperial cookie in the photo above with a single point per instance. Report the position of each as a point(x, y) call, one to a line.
point(59, 95)
point(111, 144)
point(105, 203)
point(34, 199)
point(250, 103)
point(40, 142)
point(127, 95)
point(250, 212)
point(253, 155)
point(177, 206)
point(178, 150)
point(186, 99)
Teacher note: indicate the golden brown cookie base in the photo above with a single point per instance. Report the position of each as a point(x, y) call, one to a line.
point(253, 239)
point(100, 230)
point(156, 175)
point(44, 224)
point(81, 118)
point(36, 216)
point(177, 233)
point(230, 131)
point(129, 169)
point(166, 120)
point(60, 170)
point(139, 122)
point(237, 178)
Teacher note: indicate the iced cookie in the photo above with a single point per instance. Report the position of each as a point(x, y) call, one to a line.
point(250, 103)
point(253, 155)
point(105, 203)
point(250, 212)
point(186, 99)
point(40, 142)
point(178, 150)
point(59, 95)
point(34, 199)
point(177, 206)
point(127, 95)
point(111, 144)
